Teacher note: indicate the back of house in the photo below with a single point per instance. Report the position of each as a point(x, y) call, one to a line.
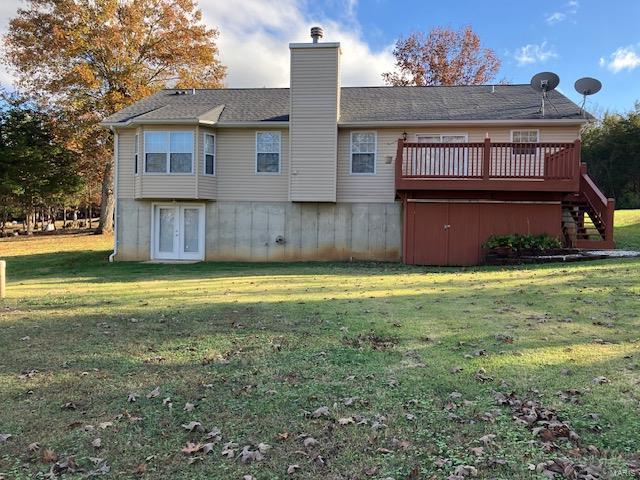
point(317, 171)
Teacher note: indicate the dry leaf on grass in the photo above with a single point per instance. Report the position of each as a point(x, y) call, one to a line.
point(4, 437)
point(33, 447)
point(321, 412)
point(345, 420)
point(191, 448)
point(132, 397)
point(193, 426)
point(154, 393)
point(97, 443)
point(293, 469)
point(309, 442)
point(188, 407)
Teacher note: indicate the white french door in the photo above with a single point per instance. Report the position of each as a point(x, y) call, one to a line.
point(178, 232)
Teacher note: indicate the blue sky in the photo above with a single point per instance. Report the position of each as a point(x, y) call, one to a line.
point(573, 38)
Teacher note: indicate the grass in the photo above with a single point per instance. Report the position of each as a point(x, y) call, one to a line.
point(256, 347)
point(627, 231)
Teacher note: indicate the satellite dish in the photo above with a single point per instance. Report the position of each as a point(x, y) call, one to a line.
point(587, 86)
point(545, 82)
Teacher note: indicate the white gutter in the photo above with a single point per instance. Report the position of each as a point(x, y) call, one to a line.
point(408, 123)
point(115, 194)
point(195, 121)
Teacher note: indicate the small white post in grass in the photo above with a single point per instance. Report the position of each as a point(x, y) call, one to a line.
point(3, 272)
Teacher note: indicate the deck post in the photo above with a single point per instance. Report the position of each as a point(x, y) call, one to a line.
point(611, 206)
point(486, 159)
point(3, 272)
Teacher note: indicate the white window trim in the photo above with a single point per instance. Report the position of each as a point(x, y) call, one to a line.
point(279, 172)
point(537, 130)
point(375, 153)
point(136, 155)
point(204, 154)
point(168, 154)
point(439, 134)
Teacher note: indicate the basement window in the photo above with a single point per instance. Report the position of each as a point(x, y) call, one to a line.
point(168, 152)
point(268, 152)
point(209, 154)
point(363, 153)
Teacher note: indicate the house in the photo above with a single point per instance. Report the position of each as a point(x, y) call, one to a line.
point(317, 171)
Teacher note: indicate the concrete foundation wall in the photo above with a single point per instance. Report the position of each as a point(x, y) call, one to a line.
point(247, 231)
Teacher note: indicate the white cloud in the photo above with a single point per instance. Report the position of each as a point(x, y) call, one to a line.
point(255, 36)
point(254, 39)
point(570, 8)
point(534, 53)
point(624, 58)
point(555, 17)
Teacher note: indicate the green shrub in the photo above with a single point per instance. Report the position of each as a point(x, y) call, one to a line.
point(523, 242)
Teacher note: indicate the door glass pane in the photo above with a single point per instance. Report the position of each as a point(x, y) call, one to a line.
point(191, 230)
point(166, 229)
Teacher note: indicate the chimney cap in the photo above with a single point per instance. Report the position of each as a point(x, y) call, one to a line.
point(316, 34)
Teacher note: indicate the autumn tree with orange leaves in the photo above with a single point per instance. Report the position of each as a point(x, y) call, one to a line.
point(90, 58)
point(442, 57)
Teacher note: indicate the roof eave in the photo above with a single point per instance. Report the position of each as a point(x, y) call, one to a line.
point(463, 123)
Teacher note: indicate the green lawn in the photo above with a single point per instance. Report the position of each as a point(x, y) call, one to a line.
point(420, 354)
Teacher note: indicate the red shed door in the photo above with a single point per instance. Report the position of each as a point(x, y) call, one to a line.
point(430, 225)
point(463, 246)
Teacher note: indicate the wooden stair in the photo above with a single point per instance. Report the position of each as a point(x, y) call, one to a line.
point(587, 217)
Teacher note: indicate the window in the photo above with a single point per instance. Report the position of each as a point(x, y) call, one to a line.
point(441, 161)
point(441, 138)
point(168, 152)
point(524, 136)
point(268, 152)
point(209, 154)
point(135, 155)
point(363, 153)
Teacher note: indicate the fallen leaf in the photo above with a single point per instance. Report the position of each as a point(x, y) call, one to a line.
point(207, 447)
point(192, 460)
point(263, 447)
point(487, 440)
point(309, 442)
point(105, 425)
point(229, 449)
point(4, 437)
point(321, 412)
point(477, 451)
point(49, 456)
point(247, 455)
point(293, 469)
point(601, 380)
point(191, 448)
point(68, 406)
point(141, 469)
point(33, 447)
point(97, 443)
point(154, 393)
point(188, 407)
point(345, 420)
point(192, 426)
point(132, 397)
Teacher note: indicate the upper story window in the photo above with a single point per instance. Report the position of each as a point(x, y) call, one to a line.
point(135, 155)
point(209, 154)
point(168, 152)
point(363, 153)
point(441, 138)
point(524, 136)
point(268, 152)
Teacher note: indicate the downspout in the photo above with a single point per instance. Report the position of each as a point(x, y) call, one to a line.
point(115, 195)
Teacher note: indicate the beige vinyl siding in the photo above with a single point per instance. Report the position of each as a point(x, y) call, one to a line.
point(381, 188)
point(236, 167)
point(207, 184)
point(126, 142)
point(313, 127)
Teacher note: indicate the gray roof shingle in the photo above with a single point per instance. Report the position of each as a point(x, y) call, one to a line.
point(357, 104)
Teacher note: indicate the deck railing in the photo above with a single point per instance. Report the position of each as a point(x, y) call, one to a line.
point(419, 165)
